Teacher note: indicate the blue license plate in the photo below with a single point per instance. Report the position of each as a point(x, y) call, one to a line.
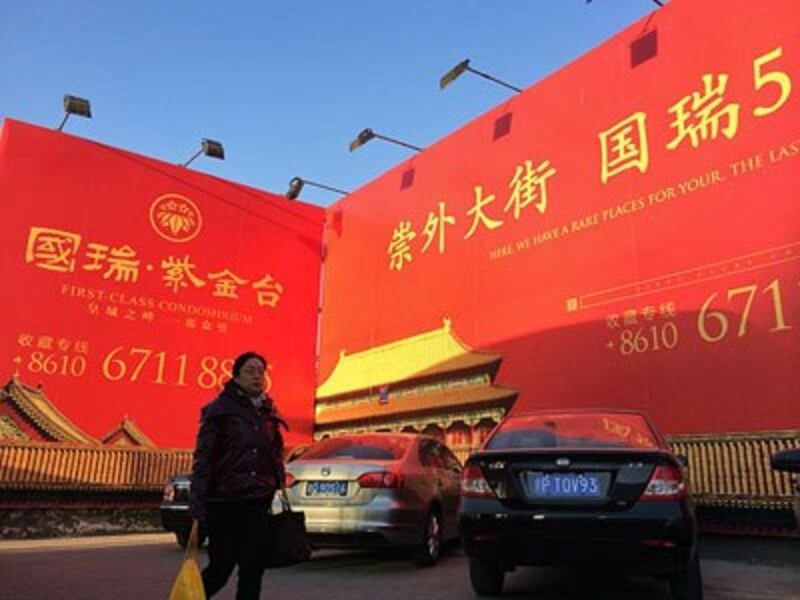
point(326, 488)
point(565, 485)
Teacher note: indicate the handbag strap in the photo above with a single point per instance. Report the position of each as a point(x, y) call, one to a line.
point(285, 505)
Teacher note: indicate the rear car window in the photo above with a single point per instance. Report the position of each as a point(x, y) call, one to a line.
point(584, 430)
point(363, 447)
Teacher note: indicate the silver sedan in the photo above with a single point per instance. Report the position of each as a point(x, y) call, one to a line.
point(378, 490)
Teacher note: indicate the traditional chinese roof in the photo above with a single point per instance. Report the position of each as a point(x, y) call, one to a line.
point(81, 467)
point(10, 429)
point(48, 423)
point(127, 433)
point(445, 400)
point(429, 353)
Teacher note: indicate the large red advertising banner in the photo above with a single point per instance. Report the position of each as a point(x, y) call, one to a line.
point(130, 284)
point(625, 233)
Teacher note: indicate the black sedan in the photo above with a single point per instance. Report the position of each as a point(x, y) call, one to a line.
point(597, 490)
point(787, 460)
point(176, 515)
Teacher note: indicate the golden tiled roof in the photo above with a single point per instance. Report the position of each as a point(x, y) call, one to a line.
point(429, 353)
point(33, 403)
point(69, 466)
point(733, 469)
point(429, 402)
point(10, 430)
point(127, 433)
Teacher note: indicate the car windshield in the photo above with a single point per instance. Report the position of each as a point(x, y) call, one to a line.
point(369, 447)
point(574, 430)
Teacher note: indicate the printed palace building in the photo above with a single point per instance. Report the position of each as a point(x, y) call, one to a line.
point(27, 414)
point(430, 382)
point(46, 460)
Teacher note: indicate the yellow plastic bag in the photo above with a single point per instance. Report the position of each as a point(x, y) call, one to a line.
point(189, 584)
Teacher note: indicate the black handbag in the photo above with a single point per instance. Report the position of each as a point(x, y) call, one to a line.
point(285, 537)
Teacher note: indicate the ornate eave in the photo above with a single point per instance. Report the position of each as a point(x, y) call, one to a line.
point(127, 433)
point(455, 399)
point(37, 408)
point(470, 418)
point(430, 353)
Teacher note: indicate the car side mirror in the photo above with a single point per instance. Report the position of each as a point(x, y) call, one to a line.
point(786, 460)
point(682, 460)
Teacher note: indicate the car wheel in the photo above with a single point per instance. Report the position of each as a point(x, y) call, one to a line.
point(182, 537)
point(431, 547)
point(688, 584)
point(486, 577)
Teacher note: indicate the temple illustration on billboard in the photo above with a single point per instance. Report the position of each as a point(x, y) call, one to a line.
point(28, 415)
point(47, 460)
point(430, 382)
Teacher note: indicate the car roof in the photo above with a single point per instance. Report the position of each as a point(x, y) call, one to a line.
point(594, 411)
point(577, 411)
point(403, 434)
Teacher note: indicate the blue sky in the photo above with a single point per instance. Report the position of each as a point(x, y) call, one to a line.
point(285, 85)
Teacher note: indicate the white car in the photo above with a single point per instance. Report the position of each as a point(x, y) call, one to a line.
point(377, 490)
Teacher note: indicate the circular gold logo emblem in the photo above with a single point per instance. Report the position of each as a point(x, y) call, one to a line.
point(175, 218)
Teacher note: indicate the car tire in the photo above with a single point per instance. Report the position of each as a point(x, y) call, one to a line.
point(486, 577)
point(688, 584)
point(430, 549)
point(182, 537)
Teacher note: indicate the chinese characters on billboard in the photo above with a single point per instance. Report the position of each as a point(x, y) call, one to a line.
point(625, 232)
point(130, 285)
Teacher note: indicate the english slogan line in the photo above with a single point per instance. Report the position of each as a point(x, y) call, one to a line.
point(680, 279)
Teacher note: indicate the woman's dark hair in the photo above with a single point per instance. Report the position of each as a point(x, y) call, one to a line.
point(243, 358)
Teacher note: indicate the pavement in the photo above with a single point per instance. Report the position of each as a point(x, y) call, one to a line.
point(85, 543)
point(132, 567)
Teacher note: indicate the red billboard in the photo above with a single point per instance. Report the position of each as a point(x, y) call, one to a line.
point(625, 232)
point(129, 285)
